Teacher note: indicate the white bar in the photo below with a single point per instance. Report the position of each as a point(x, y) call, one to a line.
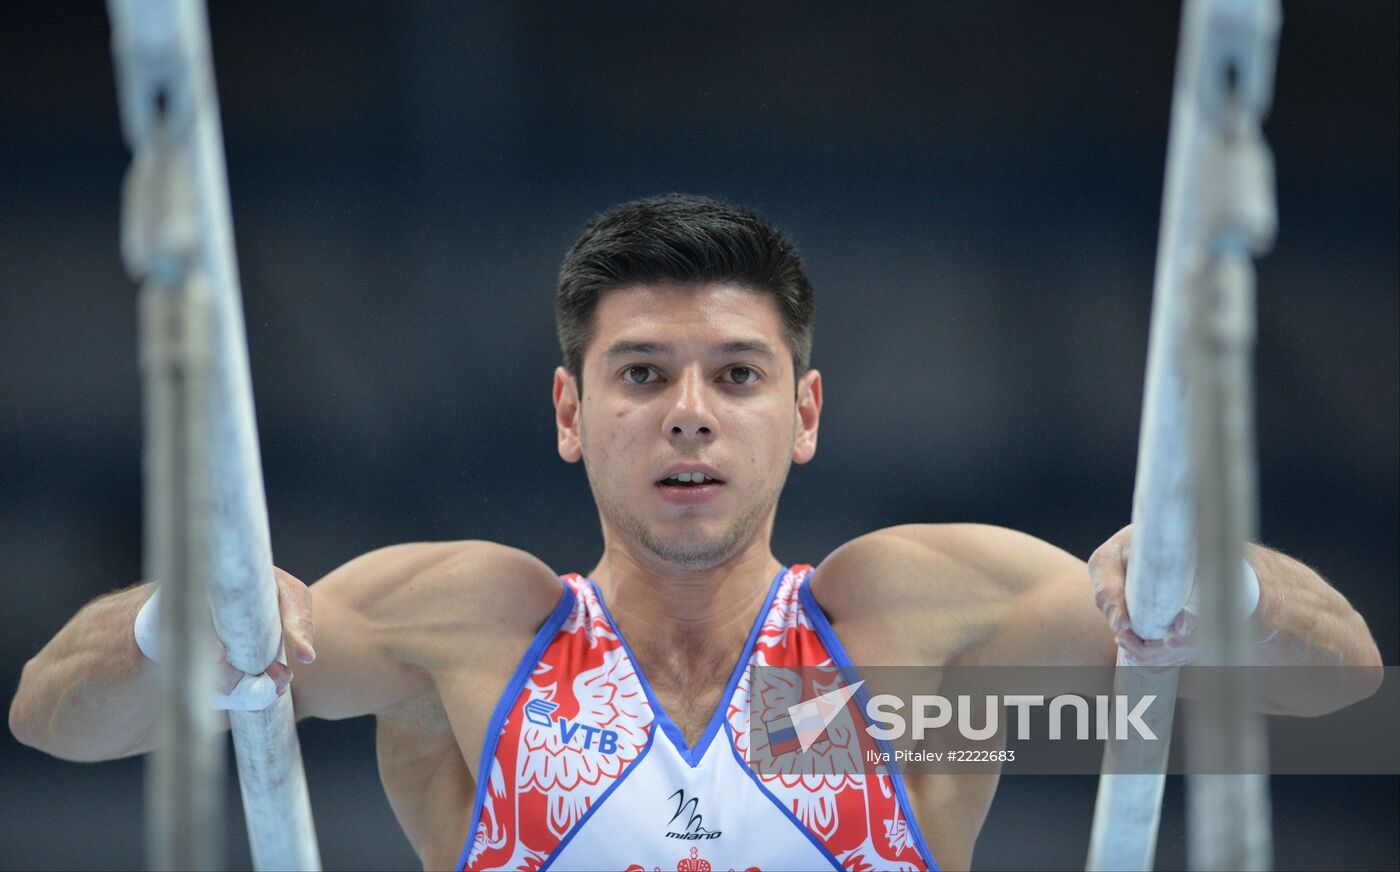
point(1228, 822)
point(1128, 808)
point(166, 83)
point(185, 775)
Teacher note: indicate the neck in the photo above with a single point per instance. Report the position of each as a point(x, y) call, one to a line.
point(682, 611)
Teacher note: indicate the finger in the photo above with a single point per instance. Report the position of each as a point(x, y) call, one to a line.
point(1102, 599)
point(1153, 653)
point(1118, 618)
point(1184, 625)
point(281, 675)
point(294, 601)
point(1107, 569)
point(1175, 641)
point(228, 678)
point(1130, 640)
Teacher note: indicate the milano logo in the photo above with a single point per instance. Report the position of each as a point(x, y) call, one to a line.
point(691, 822)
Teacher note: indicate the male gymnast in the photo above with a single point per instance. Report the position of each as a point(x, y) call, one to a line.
point(527, 719)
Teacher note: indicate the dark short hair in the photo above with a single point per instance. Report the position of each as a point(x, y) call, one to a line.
point(689, 240)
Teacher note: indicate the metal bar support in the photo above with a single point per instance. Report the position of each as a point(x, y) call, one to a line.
point(177, 234)
point(1227, 47)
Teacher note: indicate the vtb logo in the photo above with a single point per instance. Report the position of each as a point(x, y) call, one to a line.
point(541, 713)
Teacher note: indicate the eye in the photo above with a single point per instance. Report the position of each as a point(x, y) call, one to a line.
point(742, 375)
point(638, 374)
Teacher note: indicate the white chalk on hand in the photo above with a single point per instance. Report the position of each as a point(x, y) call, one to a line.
point(252, 693)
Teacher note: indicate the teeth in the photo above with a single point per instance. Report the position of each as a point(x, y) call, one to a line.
point(690, 478)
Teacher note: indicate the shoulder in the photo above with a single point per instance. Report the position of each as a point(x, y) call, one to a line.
point(390, 624)
point(958, 581)
point(424, 589)
point(441, 567)
point(908, 559)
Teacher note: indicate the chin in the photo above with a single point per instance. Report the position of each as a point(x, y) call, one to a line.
point(690, 543)
point(691, 555)
point(689, 552)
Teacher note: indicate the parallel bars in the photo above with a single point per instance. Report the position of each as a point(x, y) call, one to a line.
point(207, 516)
point(1195, 477)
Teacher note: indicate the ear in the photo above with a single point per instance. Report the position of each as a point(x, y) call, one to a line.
point(809, 412)
point(566, 409)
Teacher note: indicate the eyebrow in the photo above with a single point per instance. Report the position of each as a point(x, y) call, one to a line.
point(625, 347)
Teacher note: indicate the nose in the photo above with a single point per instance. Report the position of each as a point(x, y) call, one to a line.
point(690, 416)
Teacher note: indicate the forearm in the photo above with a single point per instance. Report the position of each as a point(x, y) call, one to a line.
point(1302, 620)
point(1299, 620)
point(89, 694)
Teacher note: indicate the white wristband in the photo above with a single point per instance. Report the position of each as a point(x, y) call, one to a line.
point(146, 624)
point(1249, 591)
point(1249, 594)
point(252, 693)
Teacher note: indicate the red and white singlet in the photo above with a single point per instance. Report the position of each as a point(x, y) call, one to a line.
point(582, 769)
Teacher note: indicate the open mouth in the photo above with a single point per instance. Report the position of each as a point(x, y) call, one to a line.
point(689, 480)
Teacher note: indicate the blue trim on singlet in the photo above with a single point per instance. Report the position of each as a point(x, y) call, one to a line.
point(543, 637)
point(598, 803)
point(842, 660)
point(781, 806)
point(693, 756)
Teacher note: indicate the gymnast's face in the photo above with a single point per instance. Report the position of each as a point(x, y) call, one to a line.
point(687, 380)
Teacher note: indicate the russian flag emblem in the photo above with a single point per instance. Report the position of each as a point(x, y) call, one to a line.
point(782, 735)
point(807, 721)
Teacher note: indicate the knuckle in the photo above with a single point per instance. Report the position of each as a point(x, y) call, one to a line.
point(1104, 569)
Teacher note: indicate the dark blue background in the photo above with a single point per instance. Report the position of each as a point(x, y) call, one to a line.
point(976, 191)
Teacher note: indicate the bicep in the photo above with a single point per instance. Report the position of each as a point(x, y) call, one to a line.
point(964, 594)
point(1052, 622)
point(391, 623)
point(1012, 598)
point(361, 627)
point(1047, 615)
point(356, 671)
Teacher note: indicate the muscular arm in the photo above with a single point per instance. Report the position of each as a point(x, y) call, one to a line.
point(966, 594)
point(392, 623)
point(1302, 620)
point(85, 696)
point(961, 595)
point(386, 620)
point(90, 693)
point(425, 637)
point(972, 595)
